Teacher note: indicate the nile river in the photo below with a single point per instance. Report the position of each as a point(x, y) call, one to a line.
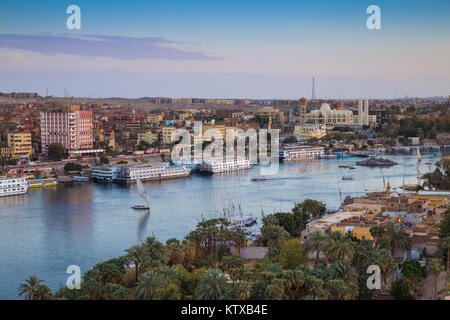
point(46, 230)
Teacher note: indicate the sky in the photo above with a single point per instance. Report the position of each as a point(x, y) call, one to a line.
point(226, 49)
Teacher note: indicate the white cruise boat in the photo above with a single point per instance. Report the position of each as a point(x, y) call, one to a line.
point(105, 173)
point(304, 152)
point(218, 166)
point(12, 186)
point(149, 172)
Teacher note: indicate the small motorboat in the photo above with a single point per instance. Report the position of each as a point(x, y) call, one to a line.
point(259, 178)
point(347, 178)
point(141, 207)
point(80, 179)
point(143, 194)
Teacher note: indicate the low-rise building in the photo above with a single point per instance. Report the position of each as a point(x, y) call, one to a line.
point(20, 145)
point(310, 131)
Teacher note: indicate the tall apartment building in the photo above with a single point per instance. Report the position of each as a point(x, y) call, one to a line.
point(20, 145)
point(74, 130)
point(363, 113)
point(167, 134)
point(302, 110)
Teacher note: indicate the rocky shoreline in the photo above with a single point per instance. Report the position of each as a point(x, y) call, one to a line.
point(377, 162)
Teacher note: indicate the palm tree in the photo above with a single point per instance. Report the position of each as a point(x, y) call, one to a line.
point(316, 242)
point(385, 261)
point(445, 242)
point(137, 255)
point(212, 285)
point(44, 292)
point(239, 237)
point(242, 289)
point(148, 285)
point(188, 253)
point(435, 266)
point(338, 247)
point(343, 269)
point(30, 289)
point(396, 238)
point(364, 252)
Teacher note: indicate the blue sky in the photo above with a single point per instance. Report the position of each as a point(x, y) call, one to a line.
point(227, 49)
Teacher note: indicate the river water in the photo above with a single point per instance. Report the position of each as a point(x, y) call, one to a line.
point(46, 230)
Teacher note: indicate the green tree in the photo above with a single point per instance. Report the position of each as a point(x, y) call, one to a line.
point(155, 252)
point(435, 267)
point(149, 285)
point(378, 232)
point(117, 292)
point(136, 255)
point(396, 238)
point(104, 159)
point(240, 238)
point(292, 254)
point(316, 242)
point(340, 290)
point(414, 272)
point(55, 151)
point(242, 289)
point(3, 162)
point(444, 226)
point(212, 285)
point(338, 247)
point(445, 244)
point(386, 262)
point(364, 252)
point(92, 289)
point(273, 292)
point(31, 288)
point(343, 269)
point(400, 290)
point(258, 290)
point(170, 292)
point(71, 166)
point(231, 262)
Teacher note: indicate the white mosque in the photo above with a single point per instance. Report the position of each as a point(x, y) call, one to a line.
point(333, 118)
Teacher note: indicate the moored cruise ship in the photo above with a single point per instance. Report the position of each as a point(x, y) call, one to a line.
point(105, 173)
point(298, 153)
point(219, 166)
point(159, 171)
point(12, 186)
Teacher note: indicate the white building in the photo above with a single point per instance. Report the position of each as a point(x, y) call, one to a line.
point(363, 113)
point(308, 131)
point(333, 118)
point(74, 130)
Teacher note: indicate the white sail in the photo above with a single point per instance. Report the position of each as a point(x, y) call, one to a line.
point(142, 191)
point(419, 158)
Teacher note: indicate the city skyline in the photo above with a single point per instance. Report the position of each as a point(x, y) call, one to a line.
point(254, 50)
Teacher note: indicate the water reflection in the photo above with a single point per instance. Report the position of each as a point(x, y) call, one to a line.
point(46, 230)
